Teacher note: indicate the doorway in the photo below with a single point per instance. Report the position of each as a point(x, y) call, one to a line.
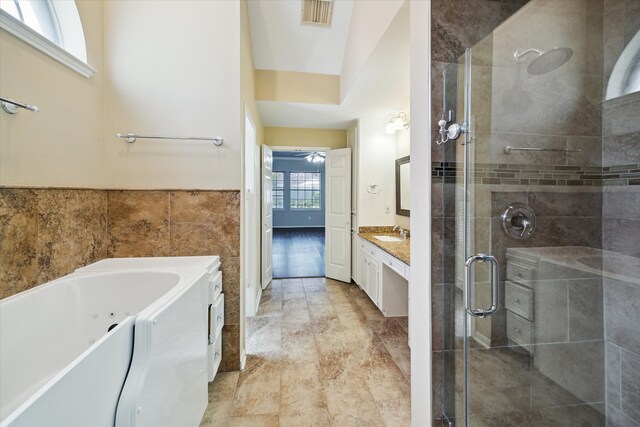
point(311, 187)
point(298, 197)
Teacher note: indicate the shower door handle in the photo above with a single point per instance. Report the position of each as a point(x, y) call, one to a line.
point(495, 285)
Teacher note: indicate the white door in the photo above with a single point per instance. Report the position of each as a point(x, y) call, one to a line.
point(267, 216)
point(337, 260)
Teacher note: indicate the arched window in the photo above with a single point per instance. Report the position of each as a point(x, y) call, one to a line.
point(625, 77)
point(52, 26)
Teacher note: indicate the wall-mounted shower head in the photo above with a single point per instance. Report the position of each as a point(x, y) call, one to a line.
point(545, 61)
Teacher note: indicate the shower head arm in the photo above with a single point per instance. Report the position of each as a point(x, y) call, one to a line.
point(520, 55)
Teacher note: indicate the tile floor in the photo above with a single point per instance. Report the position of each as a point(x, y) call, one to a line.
point(320, 354)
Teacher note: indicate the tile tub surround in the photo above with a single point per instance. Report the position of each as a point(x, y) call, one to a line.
point(319, 354)
point(48, 233)
point(398, 250)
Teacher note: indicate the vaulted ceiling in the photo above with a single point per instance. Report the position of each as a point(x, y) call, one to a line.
point(379, 84)
point(281, 42)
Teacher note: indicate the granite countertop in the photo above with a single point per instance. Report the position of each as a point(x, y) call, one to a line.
point(398, 250)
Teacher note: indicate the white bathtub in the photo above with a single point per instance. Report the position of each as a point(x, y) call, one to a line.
point(122, 342)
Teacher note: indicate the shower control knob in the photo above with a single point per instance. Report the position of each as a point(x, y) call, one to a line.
point(518, 221)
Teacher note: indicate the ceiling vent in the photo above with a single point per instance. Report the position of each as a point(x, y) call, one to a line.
point(317, 12)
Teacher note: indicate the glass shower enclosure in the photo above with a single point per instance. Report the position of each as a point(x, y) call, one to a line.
point(538, 276)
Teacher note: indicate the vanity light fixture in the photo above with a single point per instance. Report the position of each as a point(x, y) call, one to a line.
point(397, 122)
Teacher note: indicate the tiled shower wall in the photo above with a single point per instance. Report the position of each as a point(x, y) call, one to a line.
point(604, 216)
point(47, 233)
point(621, 225)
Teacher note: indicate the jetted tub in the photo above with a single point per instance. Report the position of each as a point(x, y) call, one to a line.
point(122, 342)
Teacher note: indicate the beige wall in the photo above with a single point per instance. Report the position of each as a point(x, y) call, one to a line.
point(169, 82)
point(62, 145)
point(376, 164)
point(299, 137)
point(180, 77)
point(369, 22)
point(247, 73)
point(290, 86)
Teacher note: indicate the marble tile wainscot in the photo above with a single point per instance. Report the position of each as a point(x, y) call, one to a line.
point(47, 233)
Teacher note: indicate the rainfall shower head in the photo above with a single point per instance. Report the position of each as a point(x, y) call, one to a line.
point(545, 61)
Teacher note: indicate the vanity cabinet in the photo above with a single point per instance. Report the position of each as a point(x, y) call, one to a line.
point(216, 322)
point(384, 279)
point(369, 275)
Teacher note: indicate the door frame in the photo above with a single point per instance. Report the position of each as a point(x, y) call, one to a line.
point(280, 148)
point(250, 266)
point(298, 148)
point(420, 321)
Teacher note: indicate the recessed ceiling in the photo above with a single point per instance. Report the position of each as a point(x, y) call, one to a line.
point(281, 42)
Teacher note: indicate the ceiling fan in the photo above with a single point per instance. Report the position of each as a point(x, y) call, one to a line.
point(313, 157)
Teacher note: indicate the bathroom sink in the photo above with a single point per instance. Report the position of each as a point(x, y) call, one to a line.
point(388, 238)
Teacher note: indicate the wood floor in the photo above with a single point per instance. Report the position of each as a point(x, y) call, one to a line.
point(319, 354)
point(298, 252)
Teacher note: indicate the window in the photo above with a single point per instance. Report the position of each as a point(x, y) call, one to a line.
point(305, 190)
point(277, 190)
point(625, 76)
point(51, 26)
point(37, 15)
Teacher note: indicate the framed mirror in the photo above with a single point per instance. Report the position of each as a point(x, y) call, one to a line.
point(403, 190)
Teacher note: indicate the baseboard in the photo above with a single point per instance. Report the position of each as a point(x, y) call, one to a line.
point(259, 296)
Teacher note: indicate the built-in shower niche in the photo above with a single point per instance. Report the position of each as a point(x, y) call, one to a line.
point(555, 312)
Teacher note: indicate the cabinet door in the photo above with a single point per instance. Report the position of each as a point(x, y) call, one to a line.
point(363, 270)
point(373, 279)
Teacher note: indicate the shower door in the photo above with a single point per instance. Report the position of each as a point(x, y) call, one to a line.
point(539, 230)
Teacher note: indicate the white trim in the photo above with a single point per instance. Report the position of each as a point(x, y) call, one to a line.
point(300, 226)
point(258, 298)
point(43, 44)
point(297, 148)
point(70, 28)
point(243, 360)
point(420, 320)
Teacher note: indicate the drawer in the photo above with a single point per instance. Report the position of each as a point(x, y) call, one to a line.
point(215, 283)
point(519, 299)
point(518, 272)
point(519, 330)
point(217, 318)
point(368, 248)
point(394, 264)
point(215, 357)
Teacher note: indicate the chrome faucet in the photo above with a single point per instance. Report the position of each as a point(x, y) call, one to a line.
point(403, 232)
